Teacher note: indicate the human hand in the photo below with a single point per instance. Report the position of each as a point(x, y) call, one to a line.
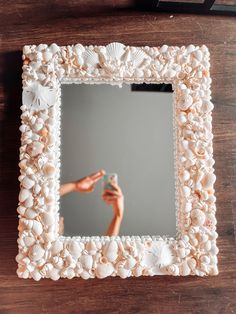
point(114, 198)
point(86, 184)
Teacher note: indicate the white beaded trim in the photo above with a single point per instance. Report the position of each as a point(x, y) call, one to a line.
point(42, 252)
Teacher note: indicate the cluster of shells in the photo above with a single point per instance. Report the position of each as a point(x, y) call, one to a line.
point(42, 253)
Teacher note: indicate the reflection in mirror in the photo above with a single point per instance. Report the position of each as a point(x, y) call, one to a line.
point(117, 162)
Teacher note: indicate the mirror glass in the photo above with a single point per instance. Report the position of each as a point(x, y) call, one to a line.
point(128, 134)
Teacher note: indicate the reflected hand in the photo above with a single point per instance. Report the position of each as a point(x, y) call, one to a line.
point(86, 184)
point(115, 198)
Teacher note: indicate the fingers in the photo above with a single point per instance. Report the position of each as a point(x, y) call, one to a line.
point(97, 175)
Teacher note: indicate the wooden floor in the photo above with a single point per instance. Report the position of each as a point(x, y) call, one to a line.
point(35, 22)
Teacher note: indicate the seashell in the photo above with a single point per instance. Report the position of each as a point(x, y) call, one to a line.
point(86, 261)
point(90, 57)
point(214, 270)
point(54, 48)
point(47, 218)
point(75, 249)
point(54, 274)
point(37, 227)
point(27, 183)
point(57, 262)
point(104, 270)
point(29, 201)
point(126, 56)
point(130, 262)
point(198, 55)
point(36, 275)
point(190, 48)
point(192, 263)
point(188, 207)
point(47, 55)
point(30, 213)
point(186, 191)
point(37, 188)
point(182, 252)
point(35, 148)
point(36, 252)
point(24, 194)
point(138, 271)
point(163, 49)
point(186, 103)
point(115, 50)
point(207, 106)
point(123, 273)
point(197, 217)
point(29, 241)
point(57, 247)
point(110, 251)
point(85, 275)
point(91, 247)
point(208, 180)
point(21, 210)
point(185, 270)
point(49, 169)
point(173, 269)
point(185, 175)
point(182, 118)
point(138, 56)
point(214, 250)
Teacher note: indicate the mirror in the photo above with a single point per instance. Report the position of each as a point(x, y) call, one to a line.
point(129, 135)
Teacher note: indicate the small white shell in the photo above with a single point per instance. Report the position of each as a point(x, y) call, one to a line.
point(123, 272)
point(30, 213)
point(75, 249)
point(86, 261)
point(47, 218)
point(49, 169)
point(104, 270)
point(27, 183)
point(115, 50)
point(185, 270)
point(24, 194)
point(36, 252)
point(57, 247)
point(130, 262)
point(90, 57)
point(110, 251)
point(35, 149)
point(208, 180)
point(29, 241)
point(198, 217)
point(37, 227)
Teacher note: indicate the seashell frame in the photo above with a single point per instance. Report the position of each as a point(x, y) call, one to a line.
point(45, 254)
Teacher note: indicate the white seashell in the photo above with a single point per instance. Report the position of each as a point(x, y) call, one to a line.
point(27, 183)
point(36, 275)
point(186, 175)
point(214, 270)
point(49, 169)
point(37, 227)
point(21, 210)
point(198, 55)
point(130, 262)
point(197, 217)
point(186, 103)
point(57, 262)
point(115, 50)
point(192, 263)
point(138, 271)
point(163, 49)
point(47, 218)
point(30, 213)
point(90, 57)
point(86, 261)
point(110, 251)
point(24, 194)
point(29, 241)
point(182, 118)
point(123, 273)
point(36, 252)
point(188, 207)
point(57, 247)
point(85, 275)
point(208, 180)
point(47, 55)
point(127, 56)
point(29, 201)
point(190, 48)
point(91, 247)
point(173, 270)
point(104, 270)
point(54, 274)
point(75, 249)
point(54, 48)
point(186, 191)
point(138, 56)
point(35, 148)
point(207, 106)
point(185, 270)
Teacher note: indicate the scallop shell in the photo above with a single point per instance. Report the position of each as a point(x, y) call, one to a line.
point(138, 56)
point(115, 50)
point(104, 270)
point(90, 57)
point(36, 252)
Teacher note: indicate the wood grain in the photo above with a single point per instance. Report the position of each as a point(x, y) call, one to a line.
point(68, 22)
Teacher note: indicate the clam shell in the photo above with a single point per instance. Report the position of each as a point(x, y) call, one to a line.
point(90, 57)
point(115, 50)
point(104, 270)
point(36, 252)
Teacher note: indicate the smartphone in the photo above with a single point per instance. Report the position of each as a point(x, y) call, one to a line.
point(108, 179)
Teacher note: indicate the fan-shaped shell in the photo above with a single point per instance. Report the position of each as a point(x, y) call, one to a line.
point(90, 57)
point(138, 56)
point(115, 50)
